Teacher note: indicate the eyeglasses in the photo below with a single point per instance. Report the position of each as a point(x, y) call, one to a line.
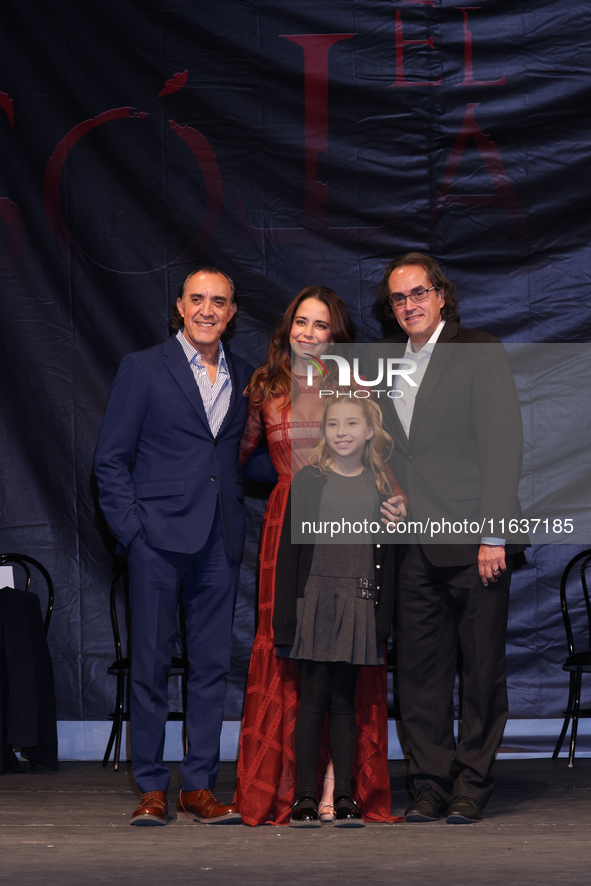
point(397, 299)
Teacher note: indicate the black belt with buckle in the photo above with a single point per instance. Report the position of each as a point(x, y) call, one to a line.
point(367, 589)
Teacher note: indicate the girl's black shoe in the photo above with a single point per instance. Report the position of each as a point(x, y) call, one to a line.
point(304, 812)
point(347, 813)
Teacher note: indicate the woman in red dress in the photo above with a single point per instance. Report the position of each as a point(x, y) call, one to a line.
point(266, 779)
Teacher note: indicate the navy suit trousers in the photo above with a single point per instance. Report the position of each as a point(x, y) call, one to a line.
point(209, 580)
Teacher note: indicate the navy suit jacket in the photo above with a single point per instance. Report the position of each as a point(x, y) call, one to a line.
point(159, 469)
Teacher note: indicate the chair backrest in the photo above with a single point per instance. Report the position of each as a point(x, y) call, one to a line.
point(25, 562)
point(581, 561)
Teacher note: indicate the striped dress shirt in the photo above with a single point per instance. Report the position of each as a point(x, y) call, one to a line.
point(216, 395)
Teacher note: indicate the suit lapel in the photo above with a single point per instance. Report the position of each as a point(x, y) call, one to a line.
point(399, 436)
point(435, 369)
point(177, 363)
point(398, 432)
point(235, 392)
point(395, 349)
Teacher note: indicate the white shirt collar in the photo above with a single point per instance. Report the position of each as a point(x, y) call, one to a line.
point(432, 341)
point(193, 355)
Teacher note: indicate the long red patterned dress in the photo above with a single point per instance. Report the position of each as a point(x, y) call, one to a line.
point(266, 776)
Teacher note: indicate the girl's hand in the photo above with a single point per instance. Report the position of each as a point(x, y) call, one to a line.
point(394, 510)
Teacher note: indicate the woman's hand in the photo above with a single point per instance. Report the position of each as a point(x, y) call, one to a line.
point(394, 510)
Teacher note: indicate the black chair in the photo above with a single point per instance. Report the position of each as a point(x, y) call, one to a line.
point(120, 669)
point(25, 562)
point(577, 663)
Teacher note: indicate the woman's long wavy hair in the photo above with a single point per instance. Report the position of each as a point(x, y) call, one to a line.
point(273, 378)
point(377, 448)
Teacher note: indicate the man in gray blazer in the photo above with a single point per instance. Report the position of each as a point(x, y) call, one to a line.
point(457, 455)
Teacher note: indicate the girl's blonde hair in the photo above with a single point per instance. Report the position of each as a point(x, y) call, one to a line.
point(377, 448)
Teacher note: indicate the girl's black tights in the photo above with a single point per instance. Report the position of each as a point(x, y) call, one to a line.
point(326, 686)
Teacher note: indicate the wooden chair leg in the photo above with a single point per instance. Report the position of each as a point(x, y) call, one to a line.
point(118, 720)
point(569, 704)
point(561, 738)
point(120, 695)
point(576, 708)
point(117, 754)
point(110, 743)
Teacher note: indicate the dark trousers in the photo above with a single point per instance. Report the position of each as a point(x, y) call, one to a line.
point(210, 580)
point(326, 686)
point(437, 607)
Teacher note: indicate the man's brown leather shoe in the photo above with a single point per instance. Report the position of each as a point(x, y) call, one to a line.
point(202, 806)
point(153, 809)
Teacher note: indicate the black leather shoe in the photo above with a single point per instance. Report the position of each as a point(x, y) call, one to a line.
point(304, 813)
point(347, 813)
point(427, 806)
point(464, 810)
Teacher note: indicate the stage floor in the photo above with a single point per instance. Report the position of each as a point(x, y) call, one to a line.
point(71, 827)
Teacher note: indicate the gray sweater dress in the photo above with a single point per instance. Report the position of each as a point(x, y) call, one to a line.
point(333, 622)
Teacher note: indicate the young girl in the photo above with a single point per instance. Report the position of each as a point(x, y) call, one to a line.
point(334, 598)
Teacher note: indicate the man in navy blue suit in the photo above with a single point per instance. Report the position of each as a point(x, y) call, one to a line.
point(176, 414)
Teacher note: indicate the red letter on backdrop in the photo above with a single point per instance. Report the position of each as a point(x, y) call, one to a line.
point(7, 104)
point(212, 177)
point(504, 192)
point(400, 44)
point(468, 70)
point(194, 140)
point(315, 48)
point(9, 211)
point(53, 171)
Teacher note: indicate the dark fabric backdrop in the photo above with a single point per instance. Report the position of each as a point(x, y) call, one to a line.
point(292, 143)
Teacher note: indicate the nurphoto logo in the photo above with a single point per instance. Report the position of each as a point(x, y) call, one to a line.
point(388, 369)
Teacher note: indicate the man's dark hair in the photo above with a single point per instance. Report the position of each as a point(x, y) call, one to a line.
point(177, 321)
point(438, 279)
